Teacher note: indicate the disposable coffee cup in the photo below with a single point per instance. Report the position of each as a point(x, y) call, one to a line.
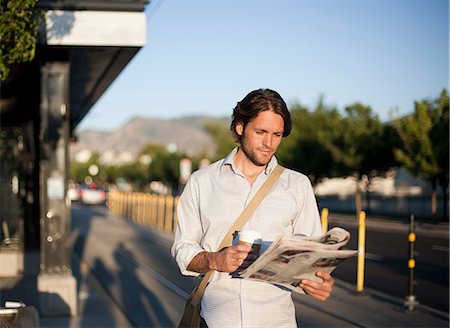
point(252, 238)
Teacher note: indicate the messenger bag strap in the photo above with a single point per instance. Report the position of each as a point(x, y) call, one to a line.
point(239, 223)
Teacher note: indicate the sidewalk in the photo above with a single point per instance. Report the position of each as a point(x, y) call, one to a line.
point(95, 307)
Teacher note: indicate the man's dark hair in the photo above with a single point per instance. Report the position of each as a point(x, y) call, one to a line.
point(258, 101)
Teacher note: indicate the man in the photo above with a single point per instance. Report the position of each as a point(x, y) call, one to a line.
point(213, 199)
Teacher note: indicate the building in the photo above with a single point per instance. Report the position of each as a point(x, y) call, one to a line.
point(82, 47)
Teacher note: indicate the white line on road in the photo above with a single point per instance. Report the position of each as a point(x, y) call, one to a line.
point(374, 257)
point(439, 248)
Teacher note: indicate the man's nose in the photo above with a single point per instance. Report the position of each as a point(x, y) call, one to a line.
point(267, 141)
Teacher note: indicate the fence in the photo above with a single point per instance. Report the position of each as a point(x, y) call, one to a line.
point(159, 211)
point(376, 204)
point(155, 211)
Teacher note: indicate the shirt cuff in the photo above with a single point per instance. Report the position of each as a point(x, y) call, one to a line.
point(184, 257)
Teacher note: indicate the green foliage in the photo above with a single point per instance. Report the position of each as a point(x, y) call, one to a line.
point(223, 138)
point(18, 32)
point(325, 143)
point(312, 144)
point(164, 165)
point(439, 135)
point(424, 150)
point(79, 171)
point(134, 173)
point(366, 149)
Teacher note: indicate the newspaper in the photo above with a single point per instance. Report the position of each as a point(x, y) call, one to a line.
point(290, 259)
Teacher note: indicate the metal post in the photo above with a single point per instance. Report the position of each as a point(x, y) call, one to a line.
point(361, 251)
point(56, 284)
point(324, 219)
point(410, 301)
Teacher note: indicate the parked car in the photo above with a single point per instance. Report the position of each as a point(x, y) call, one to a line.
point(74, 192)
point(93, 195)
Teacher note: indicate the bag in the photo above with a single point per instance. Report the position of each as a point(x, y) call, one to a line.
point(191, 316)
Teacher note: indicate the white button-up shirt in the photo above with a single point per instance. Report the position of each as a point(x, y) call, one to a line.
point(212, 200)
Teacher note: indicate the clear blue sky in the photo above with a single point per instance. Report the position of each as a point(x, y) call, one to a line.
point(202, 56)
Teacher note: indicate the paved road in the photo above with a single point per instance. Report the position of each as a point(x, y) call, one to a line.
point(387, 254)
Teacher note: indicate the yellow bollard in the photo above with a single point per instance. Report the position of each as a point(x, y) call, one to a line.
point(154, 210)
point(126, 209)
point(361, 251)
point(138, 208)
point(160, 217)
point(111, 202)
point(143, 208)
point(147, 207)
point(130, 206)
point(175, 214)
point(133, 206)
point(169, 214)
point(120, 200)
point(324, 220)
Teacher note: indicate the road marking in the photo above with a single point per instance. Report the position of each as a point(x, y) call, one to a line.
point(439, 248)
point(374, 257)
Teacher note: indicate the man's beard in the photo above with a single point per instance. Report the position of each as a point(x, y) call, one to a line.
point(252, 155)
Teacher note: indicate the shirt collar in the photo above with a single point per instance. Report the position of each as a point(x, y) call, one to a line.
point(229, 161)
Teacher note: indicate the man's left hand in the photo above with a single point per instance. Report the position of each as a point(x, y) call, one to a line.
point(319, 290)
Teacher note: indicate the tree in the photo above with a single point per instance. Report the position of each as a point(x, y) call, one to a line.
point(424, 150)
point(363, 148)
point(18, 32)
point(310, 146)
point(79, 171)
point(164, 165)
point(222, 137)
point(440, 137)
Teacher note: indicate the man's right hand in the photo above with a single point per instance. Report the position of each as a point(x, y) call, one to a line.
point(229, 259)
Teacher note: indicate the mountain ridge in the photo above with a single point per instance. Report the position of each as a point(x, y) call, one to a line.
point(187, 133)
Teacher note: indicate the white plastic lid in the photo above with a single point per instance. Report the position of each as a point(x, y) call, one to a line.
point(250, 236)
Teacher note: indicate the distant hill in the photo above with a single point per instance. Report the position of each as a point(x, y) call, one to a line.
point(187, 133)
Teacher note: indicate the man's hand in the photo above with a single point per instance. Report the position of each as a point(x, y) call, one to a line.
point(229, 259)
point(319, 290)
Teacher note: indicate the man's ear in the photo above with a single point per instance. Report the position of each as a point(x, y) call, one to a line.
point(240, 128)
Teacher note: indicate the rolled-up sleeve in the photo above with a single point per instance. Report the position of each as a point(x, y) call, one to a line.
point(189, 229)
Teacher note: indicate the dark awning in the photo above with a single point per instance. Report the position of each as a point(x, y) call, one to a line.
point(97, 38)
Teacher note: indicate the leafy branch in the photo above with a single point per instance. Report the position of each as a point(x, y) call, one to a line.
point(19, 20)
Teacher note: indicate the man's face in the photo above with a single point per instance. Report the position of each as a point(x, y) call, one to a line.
point(261, 137)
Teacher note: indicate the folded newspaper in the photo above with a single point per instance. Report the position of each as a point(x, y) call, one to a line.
point(290, 259)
